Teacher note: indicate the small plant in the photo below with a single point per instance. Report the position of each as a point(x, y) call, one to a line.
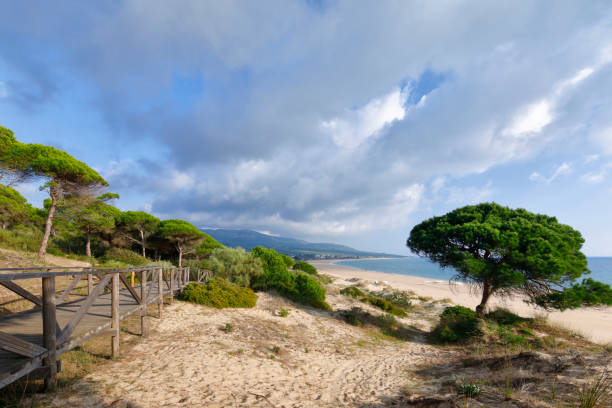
point(469, 390)
point(228, 327)
point(276, 349)
point(283, 312)
point(596, 393)
point(306, 350)
point(352, 291)
point(457, 323)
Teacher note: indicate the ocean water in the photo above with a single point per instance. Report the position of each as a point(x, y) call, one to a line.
point(600, 267)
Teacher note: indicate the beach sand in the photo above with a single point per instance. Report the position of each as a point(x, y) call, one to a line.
point(595, 324)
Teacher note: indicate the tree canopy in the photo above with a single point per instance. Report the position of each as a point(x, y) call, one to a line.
point(13, 206)
point(142, 224)
point(504, 250)
point(181, 234)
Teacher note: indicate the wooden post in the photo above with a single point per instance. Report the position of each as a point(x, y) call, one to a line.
point(49, 333)
point(160, 289)
point(115, 316)
point(171, 285)
point(143, 306)
point(89, 283)
point(133, 274)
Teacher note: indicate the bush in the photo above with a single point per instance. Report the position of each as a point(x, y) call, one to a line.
point(506, 317)
point(21, 239)
point(378, 302)
point(385, 305)
point(235, 265)
point(353, 292)
point(457, 323)
point(124, 256)
point(299, 287)
point(289, 262)
point(219, 293)
point(398, 298)
point(305, 267)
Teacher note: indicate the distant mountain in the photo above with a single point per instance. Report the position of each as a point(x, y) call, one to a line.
point(297, 248)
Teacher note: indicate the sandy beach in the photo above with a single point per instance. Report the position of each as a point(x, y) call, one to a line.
point(595, 324)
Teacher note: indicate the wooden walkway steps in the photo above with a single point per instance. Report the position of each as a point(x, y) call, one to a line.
point(31, 341)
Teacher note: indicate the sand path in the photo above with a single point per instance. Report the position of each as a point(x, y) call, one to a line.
point(190, 361)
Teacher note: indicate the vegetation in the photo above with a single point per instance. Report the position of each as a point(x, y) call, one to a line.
point(124, 256)
point(376, 301)
point(305, 267)
point(235, 265)
point(503, 250)
point(352, 291)
point(456, 323)
point(219, 293)
point(299, 287)
point(180, 234)
point(65, 176)
point(138, 226)
point(289, 262)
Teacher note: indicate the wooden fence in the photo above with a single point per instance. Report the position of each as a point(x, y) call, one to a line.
point(31, 341)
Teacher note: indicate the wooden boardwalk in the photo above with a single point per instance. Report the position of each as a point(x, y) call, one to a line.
point(32, 340)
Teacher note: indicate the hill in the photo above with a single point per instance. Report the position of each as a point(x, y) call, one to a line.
point(296, 248)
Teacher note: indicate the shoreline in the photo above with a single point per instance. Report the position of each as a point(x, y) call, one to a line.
point(595, 324)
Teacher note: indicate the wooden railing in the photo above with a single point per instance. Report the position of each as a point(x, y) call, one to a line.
point(33, 340)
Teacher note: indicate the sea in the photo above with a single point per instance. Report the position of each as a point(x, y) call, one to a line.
point(600, 267)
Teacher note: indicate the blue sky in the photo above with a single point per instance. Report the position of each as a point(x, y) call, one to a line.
point(337, 121)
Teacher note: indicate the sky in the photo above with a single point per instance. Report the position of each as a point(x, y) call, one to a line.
point(335, 121)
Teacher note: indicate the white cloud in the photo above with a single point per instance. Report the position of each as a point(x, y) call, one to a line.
point(3, 90)
point(594, 177)
point(561, 170)
point(356, 126)
point(531, 120)
point(469, 195)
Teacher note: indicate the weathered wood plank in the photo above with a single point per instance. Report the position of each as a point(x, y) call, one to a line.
point(74, 282)
point(83, 309)
point(143, 305)
point(115, 316)
point(12, 286)
point(23, 371)
point(23, 348)
point(49, 333)
point(130, 288)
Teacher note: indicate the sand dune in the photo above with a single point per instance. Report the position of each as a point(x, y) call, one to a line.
point(595, 324)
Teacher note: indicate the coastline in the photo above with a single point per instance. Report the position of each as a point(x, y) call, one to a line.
point(595, 324)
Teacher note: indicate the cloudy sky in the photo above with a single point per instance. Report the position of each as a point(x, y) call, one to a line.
point(341, 121)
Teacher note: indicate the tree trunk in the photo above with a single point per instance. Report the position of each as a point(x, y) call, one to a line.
point(54, 193)
point(142, 242)
point(486, 293)
point(180, 249)
point(88, 246)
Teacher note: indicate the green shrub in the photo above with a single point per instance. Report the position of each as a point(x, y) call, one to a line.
point(289, 262)
point(398, 298)
point(228, 327)
point(21, 239)
point(124, 256)
point(457, 323)
point(385, 305)
point(299, 287)
point(324, 279)
point(235, 265)
point(508, 338)
point(305, 267)
point(506, 317)
point(352, 291)
point(219, 293)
